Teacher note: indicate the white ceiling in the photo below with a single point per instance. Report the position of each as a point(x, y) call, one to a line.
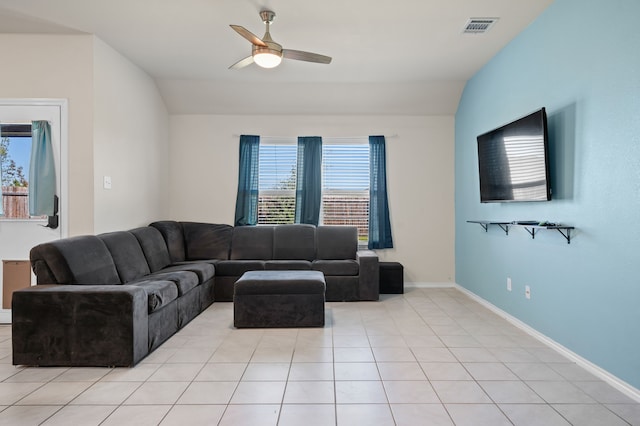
point(389, 57)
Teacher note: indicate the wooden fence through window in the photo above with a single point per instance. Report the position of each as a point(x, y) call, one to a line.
point(15, 202)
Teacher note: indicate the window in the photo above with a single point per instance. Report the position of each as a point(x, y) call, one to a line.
point(15, 154)
point(345, 185)
point(276, 182)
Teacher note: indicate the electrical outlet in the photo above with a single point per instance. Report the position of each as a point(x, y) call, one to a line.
point(508, 283)
point(527, 292)
point(106, 182)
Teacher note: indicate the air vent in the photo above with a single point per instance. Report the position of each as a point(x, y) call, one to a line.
point(478, 25)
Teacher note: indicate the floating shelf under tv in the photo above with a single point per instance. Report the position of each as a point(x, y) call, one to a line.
point(530, 228)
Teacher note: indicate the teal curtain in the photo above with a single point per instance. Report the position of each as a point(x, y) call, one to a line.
point(247, 198)
point(379, 222)
point(42, 171)
point(309, 180)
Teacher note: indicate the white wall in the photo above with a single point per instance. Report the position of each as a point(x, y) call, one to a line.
point(204, 176)
point(60, 66)
point(131, 134)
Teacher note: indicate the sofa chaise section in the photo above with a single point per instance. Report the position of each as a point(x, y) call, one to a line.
point(105, 300)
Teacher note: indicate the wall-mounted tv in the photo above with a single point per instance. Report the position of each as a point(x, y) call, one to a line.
point(514, 161)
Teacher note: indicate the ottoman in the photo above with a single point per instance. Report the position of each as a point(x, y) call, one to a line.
point(279, 299)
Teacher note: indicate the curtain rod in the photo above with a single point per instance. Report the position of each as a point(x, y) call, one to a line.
point(392, 136)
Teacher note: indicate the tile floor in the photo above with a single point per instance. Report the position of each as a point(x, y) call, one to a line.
point(428, 357)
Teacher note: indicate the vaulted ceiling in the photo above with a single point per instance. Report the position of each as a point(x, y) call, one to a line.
point(389, 57)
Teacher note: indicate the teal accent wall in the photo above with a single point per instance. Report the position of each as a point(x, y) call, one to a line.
point(580, 59)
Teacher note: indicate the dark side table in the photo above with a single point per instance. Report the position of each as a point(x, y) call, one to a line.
point(391, 278)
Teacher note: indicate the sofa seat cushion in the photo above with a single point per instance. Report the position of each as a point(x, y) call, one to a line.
point(336, 267)
point(185, 281)
point(235, 268)
point(287, 265)
point(159, 293)
point(205, 271)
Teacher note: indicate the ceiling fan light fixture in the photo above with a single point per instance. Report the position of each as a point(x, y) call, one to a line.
point(267, 58)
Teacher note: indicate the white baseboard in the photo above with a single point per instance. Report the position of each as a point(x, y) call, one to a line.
point(597, 371)
point(428, 285)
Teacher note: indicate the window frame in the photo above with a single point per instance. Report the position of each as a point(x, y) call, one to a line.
point(291, 193)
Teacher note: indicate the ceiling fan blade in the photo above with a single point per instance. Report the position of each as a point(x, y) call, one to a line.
point(299, 55)
point(242, 63)
point(254, 39)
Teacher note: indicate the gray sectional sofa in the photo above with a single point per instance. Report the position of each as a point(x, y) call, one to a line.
point(111, 299)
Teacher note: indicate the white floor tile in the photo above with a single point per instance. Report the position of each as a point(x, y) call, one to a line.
point(210, 393)
point(510, 392)
point(137, 415)
point(80, 415)
point(250, 415)
point(360, 392)
point(411, 392)
point(265, 372)
point(307, 415)
point(589, 415)
point(560, 392)
point(311, 371)
point(151, 393)
point(27, 415)
point(55, 393)
point(489, 371)
point(420, 414)
point(309, 393)
point(401, 371)
point(106, 393)
point(356, 371)
point(221, 372)
point(533, 415)
point(194, 415)
point(427, 357)
point(460, 392)
point(258, 393)
point(364, 415)
point(477, 415)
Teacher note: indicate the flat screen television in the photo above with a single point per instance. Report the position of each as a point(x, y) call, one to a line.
point(514, 161)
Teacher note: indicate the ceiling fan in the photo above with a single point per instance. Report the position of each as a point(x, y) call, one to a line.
point(267, 53)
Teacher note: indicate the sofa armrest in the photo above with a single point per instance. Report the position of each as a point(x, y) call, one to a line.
point(369, 287)
point(79, 325)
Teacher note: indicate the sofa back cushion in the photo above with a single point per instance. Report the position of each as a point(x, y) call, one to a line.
point(174, 237)
point(127, 255)
point(252, 243)
point(77, 260)
point(153, 246)
point(206, 240)
point(336, 242)
point(294, 242)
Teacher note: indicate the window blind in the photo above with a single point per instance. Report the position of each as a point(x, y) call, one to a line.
point(277, 183)
point(345, 185)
